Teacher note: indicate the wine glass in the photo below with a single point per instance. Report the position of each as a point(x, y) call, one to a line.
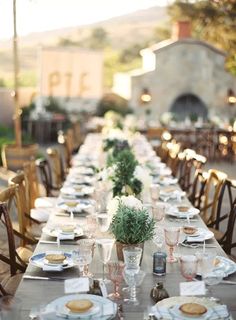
point(154, 191)
point(171, 239)
point(104, 249)
point(87, 244)
point(159, 211)
point(158, 238)
point(133, 280)
point(91, 225)
point(188, 266)
point(115, 270)
point(103, 221)
point(82, 257)
point(132, 257)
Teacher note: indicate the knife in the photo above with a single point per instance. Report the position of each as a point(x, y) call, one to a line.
point(29, 277)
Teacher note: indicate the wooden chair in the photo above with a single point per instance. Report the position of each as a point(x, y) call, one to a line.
point(212, 182)
point(31, 183)
point(56, 165)
point(12, 258)
point(68, 144)
point(45, 175)
point(226, 204)
point(28, 228)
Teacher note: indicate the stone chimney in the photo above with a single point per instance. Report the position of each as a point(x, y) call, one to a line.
point(181, 30)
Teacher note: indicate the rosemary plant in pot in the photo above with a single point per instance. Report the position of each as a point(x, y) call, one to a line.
point(131, 224)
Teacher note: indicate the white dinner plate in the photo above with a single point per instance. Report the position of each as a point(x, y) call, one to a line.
point(79, 191)
point(166, 181)
point(79, 205)
point(39, 260)
point(55, 231)
point(103, 309)
point(174, 211)
point(200, 233)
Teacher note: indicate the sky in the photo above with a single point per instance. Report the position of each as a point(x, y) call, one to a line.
point(42, 15)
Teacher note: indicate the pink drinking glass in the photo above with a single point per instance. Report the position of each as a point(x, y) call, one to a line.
point(171, 239)
point(188, 266)
point(115, 270)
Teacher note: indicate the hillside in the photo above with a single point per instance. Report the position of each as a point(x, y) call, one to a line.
point(123, 31)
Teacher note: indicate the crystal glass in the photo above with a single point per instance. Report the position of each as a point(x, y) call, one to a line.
point(91, 225)
point(171, 239)
point(158, 238)
point(188, 266)
point(87, 244)
point(115, 271)
point(82, 257)
point(132, 257)
point(133, 280)
point(103, 221)
point(105, 249)
point(159, 211)
point(154, 191)
point(206, 261)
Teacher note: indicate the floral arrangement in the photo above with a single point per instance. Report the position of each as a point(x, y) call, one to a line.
point(131, 223)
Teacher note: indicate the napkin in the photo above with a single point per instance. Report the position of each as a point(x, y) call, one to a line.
point(45, 202)
point(64, 236)
point(107, 310)
point(52, 268)
point(199, 238)
point(219, 312)
point(161, 313)
point(40, 214)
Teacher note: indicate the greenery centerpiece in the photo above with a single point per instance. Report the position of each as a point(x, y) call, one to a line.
point(131, 224)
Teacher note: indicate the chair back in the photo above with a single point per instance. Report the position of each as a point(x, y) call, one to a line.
point(45, 175)
point(214, 180)
point(56, 166)
point(31, 182)
point(12, 257)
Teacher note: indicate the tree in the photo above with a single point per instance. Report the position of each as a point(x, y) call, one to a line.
point(213, 21)
point(98, 38)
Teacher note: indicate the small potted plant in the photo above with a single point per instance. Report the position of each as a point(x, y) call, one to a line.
point(131, 224)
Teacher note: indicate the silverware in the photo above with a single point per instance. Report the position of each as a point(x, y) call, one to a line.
point(62, 242)
point(227, 282)
point(29, 277)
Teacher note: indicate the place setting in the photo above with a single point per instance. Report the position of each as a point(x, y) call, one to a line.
point(68, 231)
point(76, 191)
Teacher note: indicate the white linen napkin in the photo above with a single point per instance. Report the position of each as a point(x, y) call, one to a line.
point(45, 202)
point(64, 236)
point(161, 313)
point(219, 312)
point(52, 268)
point(199, 238)
point(40, 214)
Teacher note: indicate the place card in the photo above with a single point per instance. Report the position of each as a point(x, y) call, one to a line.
point(76, 285)
point(192, 288)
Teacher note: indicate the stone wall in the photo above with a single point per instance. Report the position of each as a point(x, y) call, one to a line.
point(184, 67)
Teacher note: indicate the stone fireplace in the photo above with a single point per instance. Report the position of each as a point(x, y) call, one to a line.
point(181, 74)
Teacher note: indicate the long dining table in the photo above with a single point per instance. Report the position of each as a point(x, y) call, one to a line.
point(34, 293)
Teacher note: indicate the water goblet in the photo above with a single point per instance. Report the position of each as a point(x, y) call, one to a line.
point(132, 257)
point(87, 244)
point(103, 221)
point(115, 270)
point(171, 239)
point(104, 249)
point(82, 257)
point(158, 238)
point(133, 280)
point(154, 191)
point(188, 266)
point(91, 225)
point(159, 211)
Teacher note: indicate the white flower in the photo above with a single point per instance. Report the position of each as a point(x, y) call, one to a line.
point(143, 175)
point(166, 118)
point(112, 206)
point(131, 202)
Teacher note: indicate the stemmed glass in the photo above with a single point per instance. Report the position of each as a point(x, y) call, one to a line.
point(103, 221)
point(105, 249)
point(133, 280)
point(132, 258)
point(154, 191)
point(188, 266)
point(82, 257)
point(115, 270)
point(86, 245)
point(91, 225)
point(158, 238)
point(159, 211)
point(171, 239)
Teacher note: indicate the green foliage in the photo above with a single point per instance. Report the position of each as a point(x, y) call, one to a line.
point(123, 179)
point(213, 21)
point(6, 137)
point(27, 110)
point(132, 226)
point(2, 83)
point(112, 102)
point(114, 147)
point(54, 106)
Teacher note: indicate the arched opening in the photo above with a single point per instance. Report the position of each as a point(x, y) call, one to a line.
point(189, 105)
